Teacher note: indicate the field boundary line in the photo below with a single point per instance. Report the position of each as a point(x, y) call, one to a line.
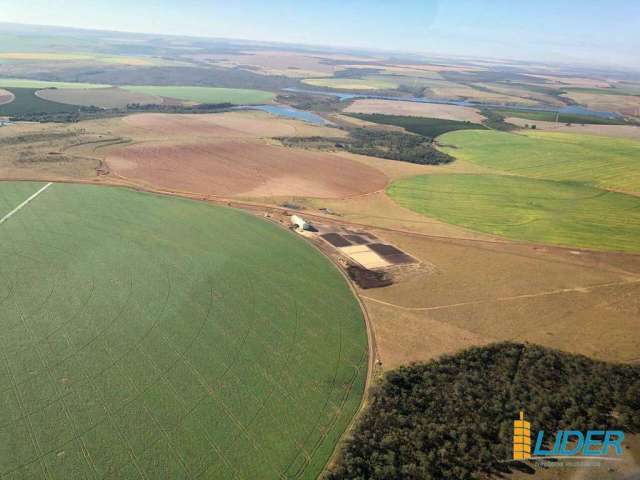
point(19, 207)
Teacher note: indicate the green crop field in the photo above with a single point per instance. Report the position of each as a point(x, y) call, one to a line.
point(605, 162)
point(559, 213)
point(40, 84)
point(429, 127)
point(146, 336)
point(351, 83)
point(562, 117)
point(237, 96)
point(26, 102)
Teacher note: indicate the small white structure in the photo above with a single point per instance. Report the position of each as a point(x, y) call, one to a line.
point(299, 223)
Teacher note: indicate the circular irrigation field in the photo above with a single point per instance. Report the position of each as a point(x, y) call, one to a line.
point(145, 336)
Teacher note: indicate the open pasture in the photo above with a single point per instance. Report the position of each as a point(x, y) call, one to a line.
point(415, 109)
point(132, 350)
point(244, 168)
point(603, 162)
point(351, 83)
point(558, 213)
point(237, 96)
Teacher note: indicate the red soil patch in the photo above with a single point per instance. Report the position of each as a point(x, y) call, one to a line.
point(244, 168)
point(228, 125)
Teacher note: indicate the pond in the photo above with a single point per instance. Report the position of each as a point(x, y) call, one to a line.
point(286, 111)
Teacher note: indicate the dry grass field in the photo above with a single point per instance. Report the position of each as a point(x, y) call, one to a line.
point(415, 109)
point(476, 292)
point(43, 152)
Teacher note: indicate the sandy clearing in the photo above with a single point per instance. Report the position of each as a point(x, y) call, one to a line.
point(244, 168)
point(6, 97)
point(623, 131)
point(393, 107)
point(241, 124)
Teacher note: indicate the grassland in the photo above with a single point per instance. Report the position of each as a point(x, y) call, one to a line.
point(351, 83)
point(603, 162)
point(559, 213)
point(131, 350)
point(205, 94)
point(428, 127)
point(562, 117)
point(26, 102)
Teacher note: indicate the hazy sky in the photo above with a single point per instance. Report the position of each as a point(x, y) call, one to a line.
point(603, 32)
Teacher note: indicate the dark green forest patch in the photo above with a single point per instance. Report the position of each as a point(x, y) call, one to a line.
point(453, 417)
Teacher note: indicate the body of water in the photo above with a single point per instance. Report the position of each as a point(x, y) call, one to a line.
point(570, 109)
point(286, 111)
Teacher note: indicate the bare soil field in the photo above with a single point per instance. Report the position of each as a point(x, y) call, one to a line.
point(481, 292)
point(5, 97)
point(415, 109)
point(622, 131)
point(244, 168)
point(240, 124)
point(102, 97)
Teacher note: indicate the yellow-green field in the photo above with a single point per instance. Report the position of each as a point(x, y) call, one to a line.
point(559, 213)
point(604, 162)
point(351, 83)
point(154, 337)
point(557, 188)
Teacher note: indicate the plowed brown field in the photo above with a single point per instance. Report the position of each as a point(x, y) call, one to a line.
point(244, 168)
